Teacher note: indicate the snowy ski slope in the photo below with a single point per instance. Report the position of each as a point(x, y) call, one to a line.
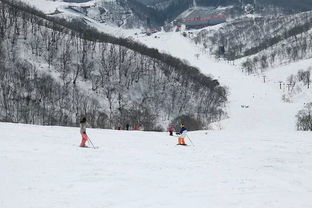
point(44, 167)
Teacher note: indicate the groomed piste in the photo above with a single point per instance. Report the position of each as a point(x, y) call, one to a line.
point(44, 167)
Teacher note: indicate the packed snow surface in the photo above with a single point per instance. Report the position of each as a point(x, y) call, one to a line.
point(44, 167)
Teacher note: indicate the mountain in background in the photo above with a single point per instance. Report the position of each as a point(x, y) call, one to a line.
point(301, 5)
point(172, 8)
point(122, 13)
point(262, 42)
point(53, 71)
point(155, 13)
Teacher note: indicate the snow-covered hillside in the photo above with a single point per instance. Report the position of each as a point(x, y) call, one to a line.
point(253, 104)
point(107, 14)
point(255, 101)
point(44, 167)
point(48, 6)
point(52, 78)
point(261, 41)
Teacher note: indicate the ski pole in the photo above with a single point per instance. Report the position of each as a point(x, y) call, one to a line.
point(89, 140)
point(190, 140)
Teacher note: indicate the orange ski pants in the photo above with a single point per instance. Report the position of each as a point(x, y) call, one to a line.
point(181, 140)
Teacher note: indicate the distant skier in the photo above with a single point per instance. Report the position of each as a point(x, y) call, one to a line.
point(83, 131)
point(170, 129)
point(127, 127)
point(182, 134)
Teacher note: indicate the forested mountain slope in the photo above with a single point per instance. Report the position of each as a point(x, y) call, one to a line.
point(235, 8)
point(301, 5)
point(262, 42)
point(53, 71)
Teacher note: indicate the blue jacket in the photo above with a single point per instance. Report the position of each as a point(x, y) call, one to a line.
point(183, 129)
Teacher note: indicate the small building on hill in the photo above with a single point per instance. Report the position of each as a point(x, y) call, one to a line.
point(199, 17)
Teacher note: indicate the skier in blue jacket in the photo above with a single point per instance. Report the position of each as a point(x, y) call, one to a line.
point(182, 135)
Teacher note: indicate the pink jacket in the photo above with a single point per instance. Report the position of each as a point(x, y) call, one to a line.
point(170, 128)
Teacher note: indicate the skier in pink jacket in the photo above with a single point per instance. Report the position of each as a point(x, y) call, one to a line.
point(170, 129)
point(83, 132)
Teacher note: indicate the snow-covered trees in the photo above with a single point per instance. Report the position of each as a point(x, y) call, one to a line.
point(304, 118)
point(262, 42)
point(53, 74)
point(297, 84)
